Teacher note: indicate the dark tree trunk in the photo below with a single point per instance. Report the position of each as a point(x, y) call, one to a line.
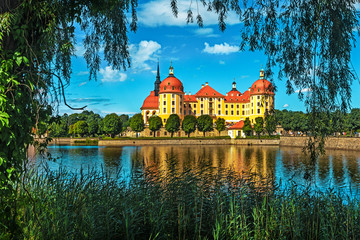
point(204, 133)
point(172, 134)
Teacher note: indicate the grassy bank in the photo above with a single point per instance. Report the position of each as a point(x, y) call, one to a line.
point(209, 204)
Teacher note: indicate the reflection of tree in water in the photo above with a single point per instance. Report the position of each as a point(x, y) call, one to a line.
point(111, 157)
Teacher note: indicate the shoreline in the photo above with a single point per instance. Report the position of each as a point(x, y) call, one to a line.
point(334, 143)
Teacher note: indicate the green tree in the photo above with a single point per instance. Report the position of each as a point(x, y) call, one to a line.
point(188, 125)
point(259, 126)
point(220, 125)
point(81, 128)
point(137, 123)
point(155, 123)
point(71, 130)
point(125, 121)
point(37, 42)
point(270, 124)
point(112, 124)
point(247, 129)
point(205, 124)
point(172, 124)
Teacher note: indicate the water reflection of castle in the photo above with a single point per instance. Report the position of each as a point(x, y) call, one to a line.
point(241, 160)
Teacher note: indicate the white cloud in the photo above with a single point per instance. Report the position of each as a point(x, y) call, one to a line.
point(245, 76)
point(111, 75)
point(222, 62)
point(142, 53)
point(79, 50)
point(223, 48)
point(158, 13)
point(304, 90)
point(82, 84)
point(205, 32)
point(286, 105)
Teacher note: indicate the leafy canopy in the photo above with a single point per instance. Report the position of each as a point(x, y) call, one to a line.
point(172, 124)
point(188, 125)
point(155, 123)
point(205, 123)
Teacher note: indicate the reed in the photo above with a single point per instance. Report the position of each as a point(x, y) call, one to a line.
point(205, 204)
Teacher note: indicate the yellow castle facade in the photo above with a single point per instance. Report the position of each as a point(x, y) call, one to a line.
point(168, 97)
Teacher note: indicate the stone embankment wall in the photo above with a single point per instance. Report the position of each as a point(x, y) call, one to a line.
point(331, 143)
point(141, 142)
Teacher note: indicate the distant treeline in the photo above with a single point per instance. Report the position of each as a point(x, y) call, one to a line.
point(336, 122)
point(90, 124)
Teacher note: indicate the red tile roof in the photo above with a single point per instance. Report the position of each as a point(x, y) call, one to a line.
point(151, 102)
point(261, 87)
point(171, 85)
point(245, 98)
point(190, 98)
point(238, 125)
point(208, 91)
point(233, 96)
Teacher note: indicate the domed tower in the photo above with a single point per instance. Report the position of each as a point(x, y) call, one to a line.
point(262, 97)
point(171, 96)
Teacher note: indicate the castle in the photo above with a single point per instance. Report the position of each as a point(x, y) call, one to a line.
point(168, 97)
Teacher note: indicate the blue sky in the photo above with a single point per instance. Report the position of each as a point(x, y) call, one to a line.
point(198, 55)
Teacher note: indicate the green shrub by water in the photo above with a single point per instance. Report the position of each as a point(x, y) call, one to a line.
point(208, 204)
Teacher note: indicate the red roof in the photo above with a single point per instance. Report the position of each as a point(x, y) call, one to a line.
point(245, 97)
point(238, 125)
point(208, 91)
point(190, 98)
point(151, 102)
point(262, 86)
point(171, 85)
point(233, 96)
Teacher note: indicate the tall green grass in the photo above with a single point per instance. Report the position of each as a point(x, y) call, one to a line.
point(205, 204)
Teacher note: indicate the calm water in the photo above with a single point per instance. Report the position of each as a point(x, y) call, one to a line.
point(338, 169)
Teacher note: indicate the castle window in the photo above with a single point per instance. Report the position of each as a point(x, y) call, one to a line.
point(189, 112)
point(181, 96)
point(210, 99)
point(202, 105)
point(252, 104)
point(232, 105)
point(226, 112)
point(184, 112)
point(243, 112)
point(219, 106)
point(173, 88)
point(243, 106)
point(232, 112)
point(184, 105)
point(258, 104)
point(226, 106)
point(219, 113)
point(237, 105)
point(201, 99)
point(237, 112)
point(252, 111)
point(172, 110)
point(164, 110)
point(258, 97)
point(202, 112)
point(194, 112)
point(165, 133)
point(164, 102)
point(173, 102)
point(189, 105)
point(255, 86)
point(258, 111)
point(194, 105)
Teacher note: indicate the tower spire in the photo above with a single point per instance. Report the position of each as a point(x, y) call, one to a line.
point(157, 82)
point(171, 70)
point(262, 74)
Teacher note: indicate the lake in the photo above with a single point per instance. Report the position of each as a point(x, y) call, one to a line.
point(337, 169)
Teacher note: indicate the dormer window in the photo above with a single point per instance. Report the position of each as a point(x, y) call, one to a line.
point(258, 89)
point(173, 88)
point(164, 88)
point(168, 83)
point(214, 94)
point(205, 93)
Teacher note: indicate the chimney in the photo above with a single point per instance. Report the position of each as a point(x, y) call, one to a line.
point(185, 93)
point(202, 85)
point(206, 83)
point(189, 93)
